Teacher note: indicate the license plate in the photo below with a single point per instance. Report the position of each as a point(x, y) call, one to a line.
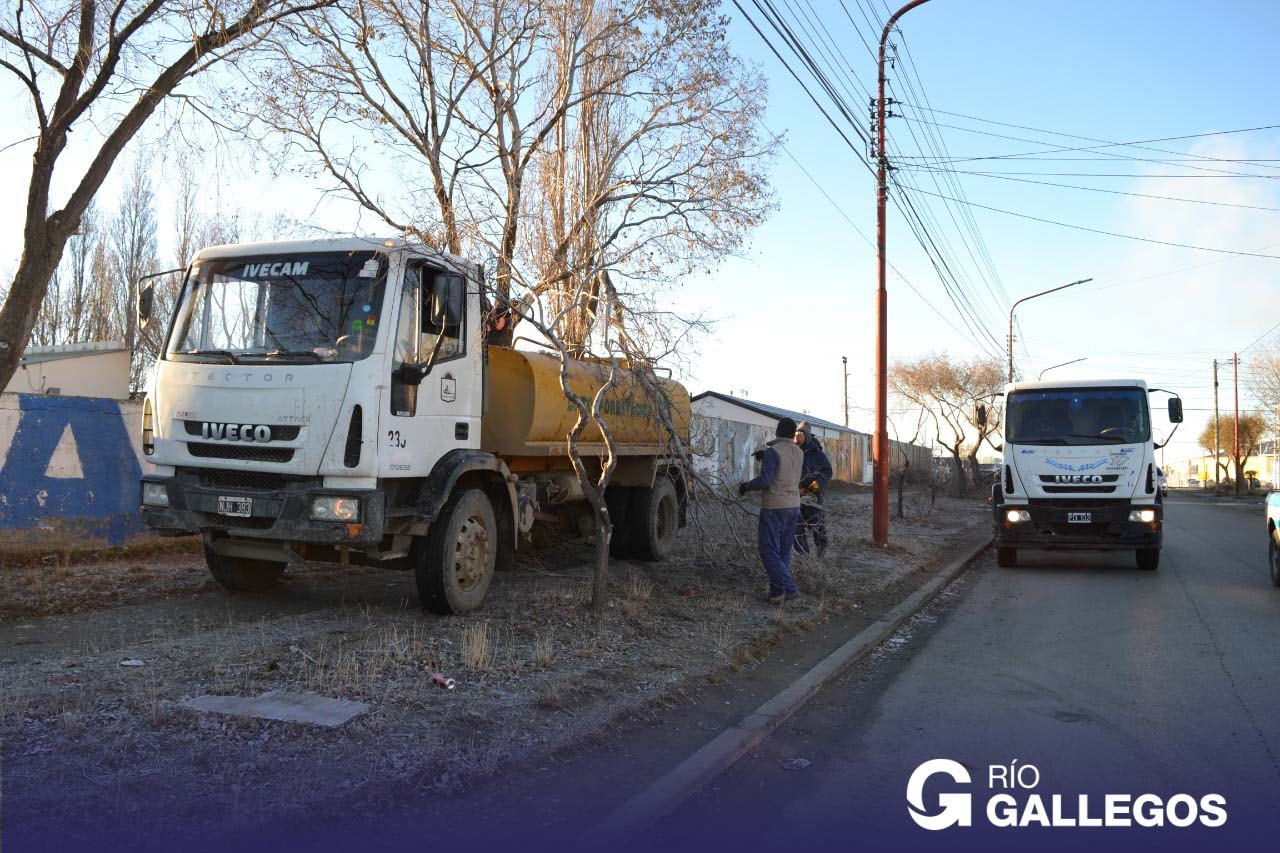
point(242, 507)
point(1079, 517)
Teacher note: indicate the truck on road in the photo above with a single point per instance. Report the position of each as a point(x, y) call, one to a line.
point(1079, 470)
point(336, 401)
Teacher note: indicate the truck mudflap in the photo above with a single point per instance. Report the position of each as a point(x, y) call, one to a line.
point(1078, 525)
point(280, 512)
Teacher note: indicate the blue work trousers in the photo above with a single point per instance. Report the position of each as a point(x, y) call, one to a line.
point(776, 535)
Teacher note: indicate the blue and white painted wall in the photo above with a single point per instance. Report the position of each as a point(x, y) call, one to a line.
point(69, 466)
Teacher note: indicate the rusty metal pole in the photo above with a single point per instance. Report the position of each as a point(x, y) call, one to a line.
point(880, 444)
point(1235, 380)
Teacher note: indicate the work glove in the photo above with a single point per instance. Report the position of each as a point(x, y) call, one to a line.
point(742, 488)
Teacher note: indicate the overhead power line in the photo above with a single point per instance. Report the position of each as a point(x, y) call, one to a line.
point(1113, 155)
point(1106, 143)
point(1111, 233)
point(1006, 177)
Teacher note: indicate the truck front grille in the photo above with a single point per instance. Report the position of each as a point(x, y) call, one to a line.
point(256, 481)
point(248, 452)
point(1079, 490)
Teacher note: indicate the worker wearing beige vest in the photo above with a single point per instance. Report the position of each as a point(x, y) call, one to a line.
point(779, 480)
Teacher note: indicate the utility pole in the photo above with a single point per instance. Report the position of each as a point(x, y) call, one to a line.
point(845, 360)
point(1216, 427)
point(1235, 380)
point(880, 443)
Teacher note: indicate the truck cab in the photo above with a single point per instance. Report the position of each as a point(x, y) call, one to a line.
point(1079, 470)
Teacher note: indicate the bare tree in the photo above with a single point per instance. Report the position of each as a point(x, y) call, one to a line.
point(904, 469)
point(948, 389)
point(562, 140)
point(1263, 378)
point(593, 150)
point(132, 245)
point(1253, 429)
point(929, 382)
point(101, 69)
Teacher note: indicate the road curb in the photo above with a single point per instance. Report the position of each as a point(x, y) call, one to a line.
point(717, 756)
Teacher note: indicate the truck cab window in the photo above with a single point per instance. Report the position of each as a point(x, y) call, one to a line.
point(405, 350)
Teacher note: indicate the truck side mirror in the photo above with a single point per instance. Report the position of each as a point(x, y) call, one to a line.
point(447, 292)
point(980, 414)
point(1175, 410)
point(146, 302)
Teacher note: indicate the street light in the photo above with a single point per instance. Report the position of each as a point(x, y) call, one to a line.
point(1064, 364)
point(1024, 299)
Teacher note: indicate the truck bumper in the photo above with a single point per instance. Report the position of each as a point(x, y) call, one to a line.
point(281, 513)
point(1108, 528)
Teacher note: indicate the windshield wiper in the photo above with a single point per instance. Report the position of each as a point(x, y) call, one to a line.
point(1114, 439)
point(229, 356)
point(1040, 441)
point(289, 353)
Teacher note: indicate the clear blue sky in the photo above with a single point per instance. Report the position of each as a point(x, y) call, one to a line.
point(1116, 71)
point(1121, 71)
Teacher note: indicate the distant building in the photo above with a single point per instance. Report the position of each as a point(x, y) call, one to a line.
point(1200, 472)
point(74, 370)
point(728, 430)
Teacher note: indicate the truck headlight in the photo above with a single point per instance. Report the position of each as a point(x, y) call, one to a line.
point(1016, 515)
point(1146, 516)
point(335, 508)
point(155, 494)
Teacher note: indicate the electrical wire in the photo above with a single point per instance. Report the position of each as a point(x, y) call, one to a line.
point(1114, 233)
point(1005, 177)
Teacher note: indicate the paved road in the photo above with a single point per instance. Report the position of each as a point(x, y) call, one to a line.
point(1107, 678)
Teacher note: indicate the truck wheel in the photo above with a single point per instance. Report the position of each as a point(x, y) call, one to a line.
point(1148, 558)
point(1007, 558)
point(1273, 557)
point(242, 573)
point(619, 500)
point(453, 563)
point(655, 520)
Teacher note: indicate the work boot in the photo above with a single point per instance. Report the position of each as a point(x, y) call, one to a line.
point(791, 596)
point(822, 551)
point(776, 600)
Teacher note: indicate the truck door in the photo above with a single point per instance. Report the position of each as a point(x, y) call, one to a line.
point(436, 325)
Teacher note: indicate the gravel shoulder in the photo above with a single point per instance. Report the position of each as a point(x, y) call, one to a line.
point(86, 740)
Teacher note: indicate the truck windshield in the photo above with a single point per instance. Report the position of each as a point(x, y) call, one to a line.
point(309, 307)
point(1078, 416)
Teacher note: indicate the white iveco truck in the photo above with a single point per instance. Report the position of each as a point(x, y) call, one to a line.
point(337, 401)
point(1080, 469)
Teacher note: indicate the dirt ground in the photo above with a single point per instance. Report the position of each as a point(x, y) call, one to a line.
point(536, 670)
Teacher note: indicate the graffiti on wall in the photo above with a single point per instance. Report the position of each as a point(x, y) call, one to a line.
point(70, 464)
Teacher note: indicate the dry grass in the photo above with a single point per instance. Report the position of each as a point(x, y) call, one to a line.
point(544, 651)
point(477, 646)
point(637, 588)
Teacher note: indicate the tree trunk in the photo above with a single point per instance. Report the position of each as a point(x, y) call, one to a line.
point(960, 487)
point(600, 573)
point(40, 258)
